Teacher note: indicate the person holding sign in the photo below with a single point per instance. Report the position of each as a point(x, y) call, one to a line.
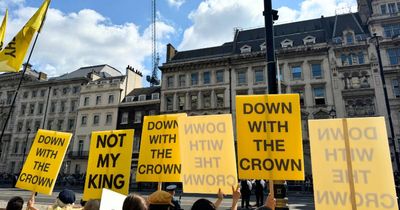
point(160, 200)
point(204, 204)
point(134, 202)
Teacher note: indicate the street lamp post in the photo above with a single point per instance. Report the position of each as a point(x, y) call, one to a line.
point(28, 131)
point(378, 52)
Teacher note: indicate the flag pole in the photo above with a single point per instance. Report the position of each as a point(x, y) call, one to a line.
point(20, 81)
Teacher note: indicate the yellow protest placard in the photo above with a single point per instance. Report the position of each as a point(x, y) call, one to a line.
point(269, 137)
point(109, 163)
point(43, 163)
point(369, 165)
point(159, 157)
point(208, 154)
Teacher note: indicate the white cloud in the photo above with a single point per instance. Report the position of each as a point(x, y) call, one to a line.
point(9, 3)
point(214, 20)
point(70, 41)
point(175, 3)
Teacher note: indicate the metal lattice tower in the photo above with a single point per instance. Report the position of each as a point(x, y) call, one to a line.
point(155, 59)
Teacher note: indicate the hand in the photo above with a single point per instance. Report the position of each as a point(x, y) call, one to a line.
point(220, 194)
point(270, 202)
point(236, 193)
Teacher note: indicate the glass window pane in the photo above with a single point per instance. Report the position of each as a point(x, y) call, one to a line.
point(296, 72)
point(316, 70)
point(206, 77)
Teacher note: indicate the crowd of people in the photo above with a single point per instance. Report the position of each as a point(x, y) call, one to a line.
point(159, 200)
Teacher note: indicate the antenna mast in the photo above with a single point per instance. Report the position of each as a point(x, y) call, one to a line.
point(155, 59)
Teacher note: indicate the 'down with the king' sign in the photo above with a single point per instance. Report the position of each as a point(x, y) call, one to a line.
point(269, 137)
point(109, 163)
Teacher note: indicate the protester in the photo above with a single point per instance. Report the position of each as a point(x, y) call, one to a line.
point(245, 190)
point(160, 200)
point(204, 204)
point(134, 202)
point(259, 191)
point(171, 190)
point(15, 203)
point(65, 200)
point(92, 205)
point(270, 203)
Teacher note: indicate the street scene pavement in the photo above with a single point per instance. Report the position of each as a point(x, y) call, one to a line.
point(297, 200)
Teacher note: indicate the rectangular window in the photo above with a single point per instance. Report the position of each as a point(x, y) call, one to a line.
point(242, 77)
point(394, 55)
point(316, 70)
point(349, 38)
point(34, 93)
point(383, 9)
point(361, 58)
point(170, 81)
point(195, 78)
point(242, 92)
point(73, 105)
point(96, 119)
point(25, 94)
point(23, 109)
point(19, 126)
point(108, 119)
point(169, 102)
point(86, 101)
point(391, 30)
point(194, 101)
point(206, 100)
point(396, 88)
point(138, 117)
point(31, 108)
point(259, 91)
point(76, 89)
point(27, 125)
point(49, 124)
point(40, 108)
point(84, 121)
point(124, 118)
point(296, 72)
point(259, 75)
point(37, 125)
point(392, 8)
point(80, 148)
point(62, 106)
point(142, 97)
point(16, 146)
point(53, 107)
point(42, 93)
point(155, 96)
point(300, 91)
point(110, 99)
point(65, 90)
point(71, 124)
point(220, 76)
point(182, 80)
point(98, 100)
point(206, 77)
point(136, 146)
point(220, 100)
point(55, 90)
point(319, 95)
point(60, 125)
point(181, 102)
point(152, 112)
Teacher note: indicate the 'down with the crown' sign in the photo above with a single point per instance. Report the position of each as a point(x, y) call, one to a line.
point(207, 153)
point(109, 163)
point(160, 158)
point(44, 160)
point(363, 181)
point(269, 137)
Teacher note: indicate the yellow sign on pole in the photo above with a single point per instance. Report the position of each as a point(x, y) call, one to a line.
point(208, 154)
point(109, 164)
point(159, 157)
point(363, 181)
point(269, 137)
point(43, 163)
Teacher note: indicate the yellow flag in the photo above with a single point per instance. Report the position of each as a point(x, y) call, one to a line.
point(12, 56)
point(3, 30)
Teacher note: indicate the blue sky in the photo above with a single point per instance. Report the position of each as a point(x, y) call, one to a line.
point(117, 32)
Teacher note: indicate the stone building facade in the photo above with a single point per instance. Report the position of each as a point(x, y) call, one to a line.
point(329, 61)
